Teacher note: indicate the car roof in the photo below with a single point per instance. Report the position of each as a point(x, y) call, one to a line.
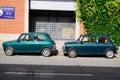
point(95, 35)
point(36, 33)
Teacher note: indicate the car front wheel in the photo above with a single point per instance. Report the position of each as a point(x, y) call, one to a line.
point(109, 54)
point(72, 53)
point(46, 52)
point(9, 51)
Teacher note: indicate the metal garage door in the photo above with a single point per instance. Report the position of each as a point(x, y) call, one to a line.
point(59, 27)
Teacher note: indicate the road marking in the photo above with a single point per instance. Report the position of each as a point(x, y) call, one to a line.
point(19, 73)
point(47, 74)
point(63, 74)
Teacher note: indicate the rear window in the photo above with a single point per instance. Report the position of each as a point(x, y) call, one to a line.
point(49, 37)
point(38, 37)
point(102, 39)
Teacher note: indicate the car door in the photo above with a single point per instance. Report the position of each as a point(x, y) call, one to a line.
point(39, 42)
point(87, 45)
point(102, 44)
point(25, 43)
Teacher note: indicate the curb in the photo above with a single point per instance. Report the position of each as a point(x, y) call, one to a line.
point(1, 48)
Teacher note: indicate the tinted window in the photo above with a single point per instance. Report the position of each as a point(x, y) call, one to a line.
point(102, 39)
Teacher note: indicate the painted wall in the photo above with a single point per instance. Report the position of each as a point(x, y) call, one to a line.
point(16, 25)
point(59, 5)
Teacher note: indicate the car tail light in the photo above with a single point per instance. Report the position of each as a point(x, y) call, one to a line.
point(54, 45)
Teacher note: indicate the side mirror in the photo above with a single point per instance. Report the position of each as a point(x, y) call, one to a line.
point(19, 40)
point(81, 42)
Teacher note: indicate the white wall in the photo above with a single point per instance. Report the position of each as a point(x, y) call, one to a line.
point(77, 29)
point(26, 16)
point(59, 5)
point(7, 37)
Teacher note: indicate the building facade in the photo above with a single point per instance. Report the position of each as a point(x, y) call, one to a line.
point(56, 17)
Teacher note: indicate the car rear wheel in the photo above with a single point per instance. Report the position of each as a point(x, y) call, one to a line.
point(72, 53)
point(46, 52)
point(109, 54)
point(9, 51)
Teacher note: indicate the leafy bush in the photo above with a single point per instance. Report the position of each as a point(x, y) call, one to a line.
point(100, 17)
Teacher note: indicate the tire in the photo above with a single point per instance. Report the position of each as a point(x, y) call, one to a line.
point(72, 53)
point(109, 54)
point(46, 52)
point(9, 51)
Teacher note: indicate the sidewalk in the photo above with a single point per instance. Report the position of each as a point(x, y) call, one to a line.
point(1, 48)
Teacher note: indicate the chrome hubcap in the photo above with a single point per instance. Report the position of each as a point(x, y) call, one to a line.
point(110, 54)
point(46, 52)
point(8, 52)
point(72, 54)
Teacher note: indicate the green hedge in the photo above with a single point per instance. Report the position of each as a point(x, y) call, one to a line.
point(100, 17)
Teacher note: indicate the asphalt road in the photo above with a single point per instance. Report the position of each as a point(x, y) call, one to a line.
point(37, 67)
point(45, 72)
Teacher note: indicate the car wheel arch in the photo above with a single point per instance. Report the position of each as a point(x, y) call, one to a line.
point(108, 49)
point(72, 49)
point(45, 47)
point(10, 47)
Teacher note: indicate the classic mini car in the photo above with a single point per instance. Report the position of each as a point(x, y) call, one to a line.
point(90, 44)
point(31, 42)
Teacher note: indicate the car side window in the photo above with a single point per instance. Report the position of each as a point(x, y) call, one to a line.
point(38, 37)
point(88, 39)
point(102, 40)
point(25, 37)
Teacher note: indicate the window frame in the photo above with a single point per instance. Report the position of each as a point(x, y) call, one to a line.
point(87, 42)
point(26, 35)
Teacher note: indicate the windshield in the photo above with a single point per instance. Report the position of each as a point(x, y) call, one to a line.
point(80, 38)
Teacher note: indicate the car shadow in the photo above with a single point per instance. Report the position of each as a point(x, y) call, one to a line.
point(28, 54)
point(93, 56)
point(32, 54)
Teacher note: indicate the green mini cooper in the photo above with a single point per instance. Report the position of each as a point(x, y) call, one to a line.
point(90, 44)
point(31, 42)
